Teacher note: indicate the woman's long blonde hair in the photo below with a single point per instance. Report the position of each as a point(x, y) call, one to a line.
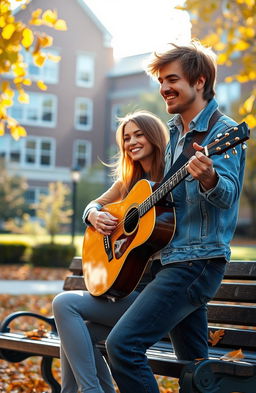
point(154, 130)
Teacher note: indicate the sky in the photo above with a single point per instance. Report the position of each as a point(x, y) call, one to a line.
point(139, 26)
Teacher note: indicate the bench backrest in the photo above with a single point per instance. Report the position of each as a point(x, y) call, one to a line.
point(233, 308)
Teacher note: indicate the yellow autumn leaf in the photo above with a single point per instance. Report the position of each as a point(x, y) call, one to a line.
point(4, 7)
point(248, 104)
point(19, 69)
point(7, 102)
point(15, 133)
point(27, 82)
point(21, 131)
point(5, 86)
point(28, 38)
point(242, 78)
point(241, 46)
point(2, 128)
point(250, 120)
point(41, 85)
point(60, 25)
point(49, 17)
point(222, 58)
point(2, 21)
point(23, 97)
point(53, 58)
point(36, 22)
point(45, 40)
point(8, 31)
point(39, 58)
point(37, 13)
point(229, 79)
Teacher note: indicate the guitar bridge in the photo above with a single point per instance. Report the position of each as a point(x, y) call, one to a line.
point(107, 246)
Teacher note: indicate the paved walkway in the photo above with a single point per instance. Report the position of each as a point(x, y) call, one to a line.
point(37, 287)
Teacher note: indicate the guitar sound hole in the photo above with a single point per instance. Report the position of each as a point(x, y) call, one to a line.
point(131, 220)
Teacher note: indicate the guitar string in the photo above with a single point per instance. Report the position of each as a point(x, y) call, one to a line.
point(161, 189)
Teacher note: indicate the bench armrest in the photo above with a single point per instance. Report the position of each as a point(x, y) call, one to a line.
point(4, 327)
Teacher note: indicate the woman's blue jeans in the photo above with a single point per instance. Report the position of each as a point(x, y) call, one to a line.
point(173, 303)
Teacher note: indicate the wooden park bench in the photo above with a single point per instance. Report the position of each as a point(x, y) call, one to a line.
point(233, 311)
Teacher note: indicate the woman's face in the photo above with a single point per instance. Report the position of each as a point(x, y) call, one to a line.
point(137, 146)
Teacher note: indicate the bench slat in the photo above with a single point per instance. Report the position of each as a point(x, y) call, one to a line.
point(244, 270)
point(232, 315)
point(237, 292)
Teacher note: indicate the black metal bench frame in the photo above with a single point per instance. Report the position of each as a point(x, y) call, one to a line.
point(201, 376)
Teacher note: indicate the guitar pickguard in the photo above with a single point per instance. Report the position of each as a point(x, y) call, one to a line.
point(122, 243)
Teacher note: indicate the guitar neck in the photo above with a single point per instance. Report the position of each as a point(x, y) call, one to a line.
point(163, 190)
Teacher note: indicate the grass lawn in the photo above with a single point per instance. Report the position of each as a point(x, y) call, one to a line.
point(238, 252)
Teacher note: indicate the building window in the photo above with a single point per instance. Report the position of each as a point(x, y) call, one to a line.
point(39, 152)
point(31, 151)
point(32, 195)
point(116, 112)
point(41, 110)
point(85, 70)
point(82, 154)
point(227, 94)
point(49, 72)
point(83, 114)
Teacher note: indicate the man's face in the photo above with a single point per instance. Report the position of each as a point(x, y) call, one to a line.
point(175, 89)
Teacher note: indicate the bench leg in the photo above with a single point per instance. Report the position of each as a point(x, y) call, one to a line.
point(46, 370)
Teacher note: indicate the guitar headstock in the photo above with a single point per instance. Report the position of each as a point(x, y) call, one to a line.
point(232, 137)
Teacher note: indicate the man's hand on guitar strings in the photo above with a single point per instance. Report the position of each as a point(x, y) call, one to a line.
point(103, 222)
point(201, 168)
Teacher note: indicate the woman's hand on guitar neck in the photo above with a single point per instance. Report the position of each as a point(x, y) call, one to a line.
point(103, 222)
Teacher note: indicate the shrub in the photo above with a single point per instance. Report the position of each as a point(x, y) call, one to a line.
point(52, 255)
point(12, 252)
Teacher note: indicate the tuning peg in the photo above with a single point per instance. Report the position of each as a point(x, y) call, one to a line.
point(226, 156)
point(234, 151)
point(244, 146)
point(219, 135)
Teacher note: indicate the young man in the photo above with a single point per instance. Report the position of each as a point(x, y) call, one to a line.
point(206, 203)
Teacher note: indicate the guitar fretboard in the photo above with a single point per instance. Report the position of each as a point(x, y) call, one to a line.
point(162, 190)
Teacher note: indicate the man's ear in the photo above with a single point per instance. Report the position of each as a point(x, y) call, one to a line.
point(200, 82)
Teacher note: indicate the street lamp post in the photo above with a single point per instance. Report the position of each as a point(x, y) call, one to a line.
point(75, 175)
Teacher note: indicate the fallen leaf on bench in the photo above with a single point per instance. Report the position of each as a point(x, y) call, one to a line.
point(233, 355)
point(37, 333)
point(216, 336)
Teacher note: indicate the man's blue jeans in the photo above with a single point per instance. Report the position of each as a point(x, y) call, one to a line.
point(175, 303)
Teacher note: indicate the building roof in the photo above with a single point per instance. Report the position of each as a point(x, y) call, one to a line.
point(129, 65)
point(97, 22)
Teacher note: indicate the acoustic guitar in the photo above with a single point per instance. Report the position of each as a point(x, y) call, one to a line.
point(113, 265)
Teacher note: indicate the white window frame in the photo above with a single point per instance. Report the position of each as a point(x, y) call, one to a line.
point(88, 154)
point(38, 152)
point(39, 110)
point(89, 103)
point(81, 67)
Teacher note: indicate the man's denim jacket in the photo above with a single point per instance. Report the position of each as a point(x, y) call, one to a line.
point(205, 221)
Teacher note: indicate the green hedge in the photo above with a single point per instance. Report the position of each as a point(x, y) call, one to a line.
point(12, 253)
point(52, 255)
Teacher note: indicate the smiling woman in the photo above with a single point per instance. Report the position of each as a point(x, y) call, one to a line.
point(141, 138)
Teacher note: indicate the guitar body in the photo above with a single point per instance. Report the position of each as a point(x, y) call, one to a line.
point(113, 265)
